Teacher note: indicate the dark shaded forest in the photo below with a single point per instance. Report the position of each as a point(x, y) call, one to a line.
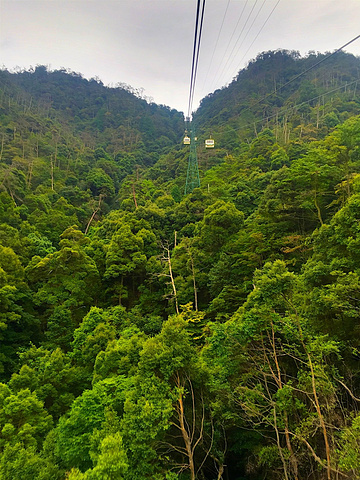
point(148, 334)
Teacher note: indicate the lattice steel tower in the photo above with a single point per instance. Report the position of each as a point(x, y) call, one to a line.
point(192, 177)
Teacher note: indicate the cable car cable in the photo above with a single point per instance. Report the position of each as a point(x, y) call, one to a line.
point(196, 51)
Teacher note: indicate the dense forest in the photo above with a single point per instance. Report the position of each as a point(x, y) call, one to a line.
point(148, 334)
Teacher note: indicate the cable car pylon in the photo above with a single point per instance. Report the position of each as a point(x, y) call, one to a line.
point(192, 176)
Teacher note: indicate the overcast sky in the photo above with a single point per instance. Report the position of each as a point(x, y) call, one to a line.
point(148, 43)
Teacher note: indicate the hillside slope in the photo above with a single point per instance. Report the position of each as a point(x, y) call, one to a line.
point(281, 89)
point(150, 335)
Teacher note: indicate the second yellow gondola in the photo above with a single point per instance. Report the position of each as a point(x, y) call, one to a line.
point(209, 143)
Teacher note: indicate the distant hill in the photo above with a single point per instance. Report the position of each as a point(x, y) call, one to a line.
point(59, 131)
point(115, 118)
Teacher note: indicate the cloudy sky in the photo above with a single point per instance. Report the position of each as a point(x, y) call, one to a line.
point(148, 43)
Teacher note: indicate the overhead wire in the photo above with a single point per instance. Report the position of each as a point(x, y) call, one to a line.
point(243, 40)
point(232, 35)
point(261, 29)
point(216, 44)
point(194, 54)
point(216, 76)
point(196, 51)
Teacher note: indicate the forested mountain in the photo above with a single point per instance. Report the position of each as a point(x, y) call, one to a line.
point(146, 334)
point(274, 86)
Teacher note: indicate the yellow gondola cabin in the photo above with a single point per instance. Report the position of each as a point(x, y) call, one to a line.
point(209, 143)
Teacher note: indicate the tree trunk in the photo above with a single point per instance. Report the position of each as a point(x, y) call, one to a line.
point(185, 435)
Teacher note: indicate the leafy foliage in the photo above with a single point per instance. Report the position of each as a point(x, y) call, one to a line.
point(150, 335)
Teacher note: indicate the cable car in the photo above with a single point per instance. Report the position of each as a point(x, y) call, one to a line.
point(209, 143)
point(186, 140)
